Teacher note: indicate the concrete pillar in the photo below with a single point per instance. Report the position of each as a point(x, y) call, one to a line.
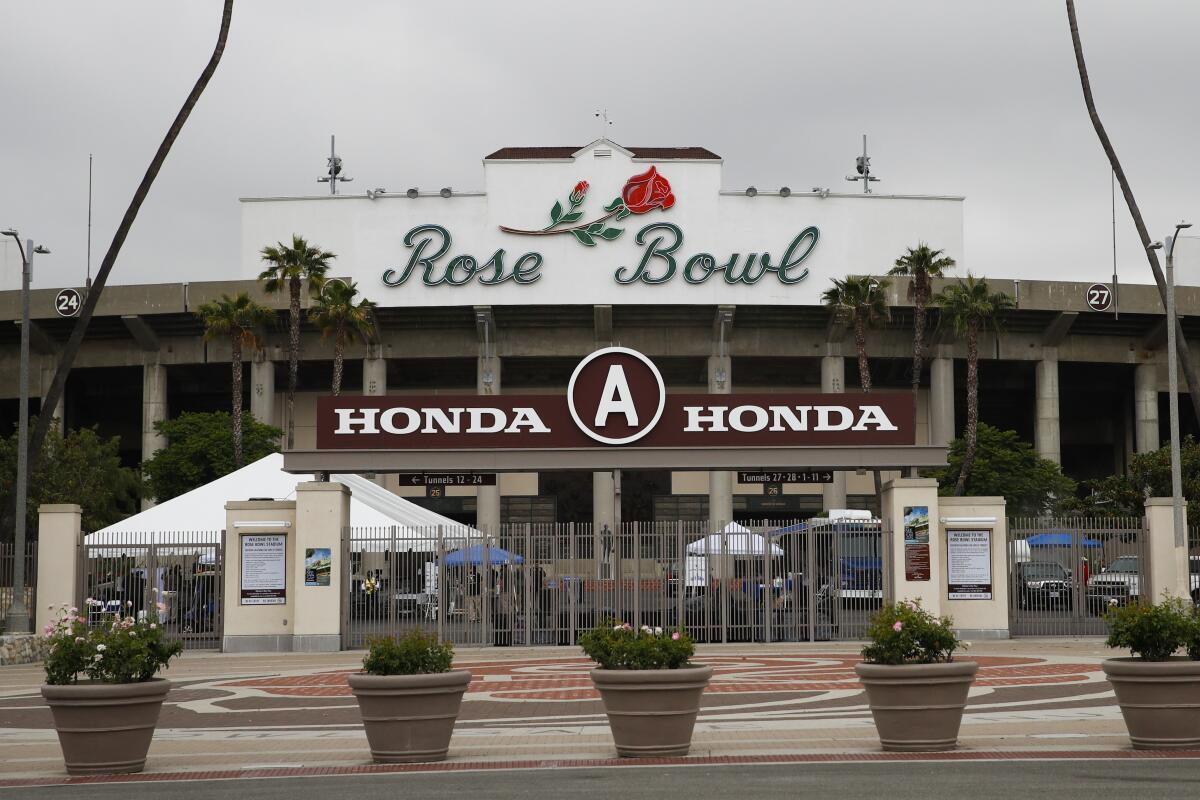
point(154, 407)
point(1167, 570)
point(833, 380)
point(59, 535)
point(720, 483)
point(1046, 434)
point(941, 397)
point(899, 495)
point(259, 628)
point(1145, 408)
point(322, 523)
point(983, 618)
point(487, 498)
point(262, 389)
point(604, 513)
point(375, 376)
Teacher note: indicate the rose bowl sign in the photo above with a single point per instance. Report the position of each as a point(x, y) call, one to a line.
point(616, 398)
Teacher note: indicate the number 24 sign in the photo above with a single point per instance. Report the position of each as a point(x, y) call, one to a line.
point(67, 302)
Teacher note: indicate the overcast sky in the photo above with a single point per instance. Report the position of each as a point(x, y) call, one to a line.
point(971, 97)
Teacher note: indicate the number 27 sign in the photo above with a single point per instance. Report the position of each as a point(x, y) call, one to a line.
point(1099, 297)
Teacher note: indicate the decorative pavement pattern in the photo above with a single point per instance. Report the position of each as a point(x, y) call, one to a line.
point(538, 709)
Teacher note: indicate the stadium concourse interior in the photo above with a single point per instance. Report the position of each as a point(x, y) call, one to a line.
point(1088, 389)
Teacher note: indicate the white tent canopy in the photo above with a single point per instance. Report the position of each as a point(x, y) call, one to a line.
point(734, 540)
point(202, 510)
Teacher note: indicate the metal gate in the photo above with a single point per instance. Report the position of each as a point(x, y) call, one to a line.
point(176, 575)
point(7, 574)
point(1064, 574)
point(531, 584)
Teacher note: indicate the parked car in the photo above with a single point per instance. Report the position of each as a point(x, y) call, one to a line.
point(1042, 585)
point(1117, 584)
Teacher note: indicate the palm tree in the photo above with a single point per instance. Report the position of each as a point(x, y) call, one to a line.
point(862, 302)
point(238, 318)
point(1185, 357)
point(290, 267)
point(337, 315)
point(920, 264)
point(66, 360)
point(970, 305)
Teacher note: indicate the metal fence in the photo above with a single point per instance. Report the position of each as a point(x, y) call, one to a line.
point(1065, 573)
point(7, 566)
point(177, 575)
point(1194, 564)
point(533, 584)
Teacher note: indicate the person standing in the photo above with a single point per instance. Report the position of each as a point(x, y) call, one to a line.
point(474, 596)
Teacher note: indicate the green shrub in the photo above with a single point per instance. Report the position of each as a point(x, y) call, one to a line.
point(415, 653)
point(1154, 631)
point(905, 633)
point(119, 650)
point(617, 645)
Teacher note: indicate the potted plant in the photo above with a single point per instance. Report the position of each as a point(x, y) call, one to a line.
point(915, 688)
point(409, 697)
point(1158, 691)
point(106, 721)
point(650, 689)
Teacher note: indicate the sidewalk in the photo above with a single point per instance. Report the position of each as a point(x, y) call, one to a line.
point(535, 706)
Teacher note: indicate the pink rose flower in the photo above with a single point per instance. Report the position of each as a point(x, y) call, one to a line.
point(899, 626)
point(675, 636)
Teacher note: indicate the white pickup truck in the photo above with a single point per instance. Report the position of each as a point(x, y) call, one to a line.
point(1121, 581)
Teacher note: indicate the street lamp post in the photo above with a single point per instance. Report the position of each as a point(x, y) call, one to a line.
point(17, 620)
point(1173, 389)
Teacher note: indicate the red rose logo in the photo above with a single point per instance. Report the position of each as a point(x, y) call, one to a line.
point(647, 192)
point(578, 194)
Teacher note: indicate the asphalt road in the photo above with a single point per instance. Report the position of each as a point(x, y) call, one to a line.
point(1062, 780)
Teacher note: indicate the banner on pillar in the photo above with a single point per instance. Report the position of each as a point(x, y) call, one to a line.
point(916, 543)
point(264, 569)
point(969, 565)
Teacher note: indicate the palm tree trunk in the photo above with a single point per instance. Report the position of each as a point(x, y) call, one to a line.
point(1185, 356)
point(293, 358)
point(860, 344)
point(919, 314)
point(71, 349)
point(972, 434)
point(236, 397)
point(339, 357)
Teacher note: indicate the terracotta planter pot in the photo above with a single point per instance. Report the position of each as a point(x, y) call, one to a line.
point(105, 728)
point(652, 712)
point(1160, 701)
point(409, 717)
point(917, 707)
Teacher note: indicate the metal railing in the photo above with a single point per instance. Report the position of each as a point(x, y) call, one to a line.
point(176, 575)
point(1065, 573)
point(7, 549)
point(534, 584)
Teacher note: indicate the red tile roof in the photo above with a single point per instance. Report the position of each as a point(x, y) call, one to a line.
point(657, 153)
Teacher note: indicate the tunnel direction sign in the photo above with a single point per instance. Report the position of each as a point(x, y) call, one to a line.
point(766, 477)
point(447, 479)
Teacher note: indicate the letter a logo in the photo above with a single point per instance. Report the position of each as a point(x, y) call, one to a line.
point(616, 395)
point(616, 398)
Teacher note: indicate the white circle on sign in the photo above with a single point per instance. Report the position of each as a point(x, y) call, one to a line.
point(1099, 297)
point(642, 429)
point(67, 302)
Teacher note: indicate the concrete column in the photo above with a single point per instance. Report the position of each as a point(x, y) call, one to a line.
point(262, 389)
point(259, 628)
point(487, 498)
point(322, 523)
point(900, 494)
point(720, 483)
point(941, 397)
point(984, 618)
point(1167, 570)
point(59, 535)
point(833, 380)
point(1145, 408)
point(375, 376)
point(154, 407)
point(1046, 433)
point(604, 512)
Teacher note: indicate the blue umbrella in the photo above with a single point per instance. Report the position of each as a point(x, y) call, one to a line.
point(1059, 540)
point(475, 555)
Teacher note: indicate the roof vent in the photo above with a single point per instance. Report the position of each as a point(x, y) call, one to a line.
point(598, 153)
